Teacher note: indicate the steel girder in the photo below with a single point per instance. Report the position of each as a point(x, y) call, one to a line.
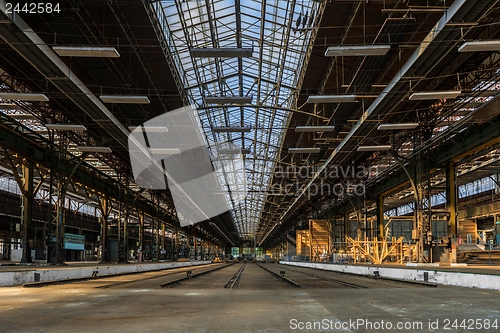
point(441, 38)
point(21, 143)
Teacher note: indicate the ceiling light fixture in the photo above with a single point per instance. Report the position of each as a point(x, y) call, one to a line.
point(91, 149)
point(228, 100)
point(314, 128)
point(66, 127)
point(331, 98)
point(233, 151)
point(303, 150)
point(231, 129)
point(164, 151)
point(483, 45)
point(357, 50)
point(402, 126)
point(149, 129)
point(427, 95)
point(22, 116)
point(86, 51)
point(9, 106)
point(374, 148)
point(221, 52)
point(125, 99)
point(24, 97)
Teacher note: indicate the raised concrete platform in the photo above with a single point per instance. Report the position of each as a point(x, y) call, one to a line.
point(486, 278)
point(20, 275)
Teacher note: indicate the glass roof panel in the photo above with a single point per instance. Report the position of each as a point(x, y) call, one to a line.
point(279, 40)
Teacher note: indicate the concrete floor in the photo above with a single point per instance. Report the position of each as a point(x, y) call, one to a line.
point(262, 303)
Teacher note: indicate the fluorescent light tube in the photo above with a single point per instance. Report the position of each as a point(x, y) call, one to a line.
point(402, 126)
point(483, 45)
point(149, 129)
point(86, 51)
point(24, 97)
point(331, 98)
point(66, 127)
point(228, 100)
point(304, 150)
point(91, 149)
point(374, 148)
point(427, 95)
point(221, 52)
point(125, 99)
point(231, 129)
point(357, 50)
point(314, 128)
point(164, 151)
point(233, 151)
point(22, 115)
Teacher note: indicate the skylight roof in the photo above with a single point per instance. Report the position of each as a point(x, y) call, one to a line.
point(279, 33)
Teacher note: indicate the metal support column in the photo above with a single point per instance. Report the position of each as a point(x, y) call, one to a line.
point(176, 243)
point(419, 214)
point(105, 207)
point(140, 251)
point(451, 197)
point(195, 245)
point(26, 208)
point(346, 229)
point(125, 235)
point(452, 205)
point(157, 240)
point(380, 217)
point(164, 251)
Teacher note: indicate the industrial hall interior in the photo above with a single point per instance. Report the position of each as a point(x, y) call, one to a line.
point(249, 165)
